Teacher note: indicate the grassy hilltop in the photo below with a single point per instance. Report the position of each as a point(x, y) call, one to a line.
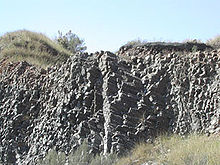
point(32, 47)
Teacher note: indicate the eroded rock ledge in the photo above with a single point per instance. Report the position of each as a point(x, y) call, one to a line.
point(112, 100)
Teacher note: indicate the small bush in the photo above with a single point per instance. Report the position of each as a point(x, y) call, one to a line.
point(104, 160)
point(81, 155)
point(214, 42)
point(71, 42)
point(54, 158)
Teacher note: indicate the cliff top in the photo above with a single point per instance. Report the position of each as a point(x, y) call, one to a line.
point(168, 46)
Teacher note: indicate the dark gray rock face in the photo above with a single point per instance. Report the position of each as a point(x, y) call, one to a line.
point(112, 100)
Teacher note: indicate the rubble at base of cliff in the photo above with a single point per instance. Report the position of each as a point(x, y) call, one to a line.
point(113, 101)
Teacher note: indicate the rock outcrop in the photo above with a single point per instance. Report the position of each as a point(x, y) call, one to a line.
point(111, 100)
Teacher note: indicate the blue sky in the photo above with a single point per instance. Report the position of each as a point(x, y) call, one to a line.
point(108, 24)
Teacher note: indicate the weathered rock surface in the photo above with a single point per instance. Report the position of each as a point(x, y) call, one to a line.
point(112, 100)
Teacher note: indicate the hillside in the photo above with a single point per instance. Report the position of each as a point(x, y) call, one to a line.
point(112, 100)
point(33, 47)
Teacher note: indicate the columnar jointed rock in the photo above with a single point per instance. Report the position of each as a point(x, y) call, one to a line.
point(112, 100)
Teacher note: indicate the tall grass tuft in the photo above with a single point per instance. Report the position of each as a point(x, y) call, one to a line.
point(81, 156)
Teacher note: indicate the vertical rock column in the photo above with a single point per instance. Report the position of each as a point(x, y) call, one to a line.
point(108, 68)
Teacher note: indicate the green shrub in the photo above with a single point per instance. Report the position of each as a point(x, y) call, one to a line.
point(32, 47)
point(54, 158)
point(71, 42)
point(214, 42)
point(104, 160)
point(81, 155)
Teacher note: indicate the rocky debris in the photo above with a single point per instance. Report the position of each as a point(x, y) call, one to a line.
point(111, 100)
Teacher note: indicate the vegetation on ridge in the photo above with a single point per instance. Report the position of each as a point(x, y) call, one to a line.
point(214, 42)
point(39, 50)
point(71, 42)
point(32, 47)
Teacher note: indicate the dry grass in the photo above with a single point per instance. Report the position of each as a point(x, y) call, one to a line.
point(176, 150)
point(214, 42)
point(195, 150)
point(33, 47)
point(81, 156)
